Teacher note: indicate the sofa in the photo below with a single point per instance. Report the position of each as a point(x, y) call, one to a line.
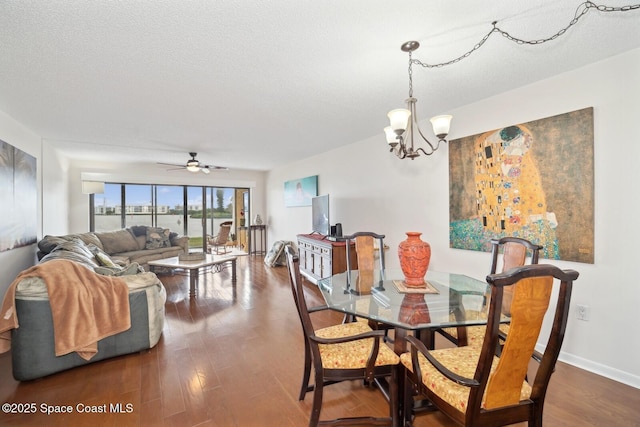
point(137, 244)
point(88, 260)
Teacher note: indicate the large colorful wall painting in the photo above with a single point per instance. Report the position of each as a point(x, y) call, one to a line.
point(533, 180)
point(19, 195)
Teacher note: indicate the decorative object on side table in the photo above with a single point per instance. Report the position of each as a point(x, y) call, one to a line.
point(258, 220)
point(192, 256)
point(414, 254)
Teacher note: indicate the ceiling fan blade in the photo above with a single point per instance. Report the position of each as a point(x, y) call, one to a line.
point(170, 164)
point(218, 168)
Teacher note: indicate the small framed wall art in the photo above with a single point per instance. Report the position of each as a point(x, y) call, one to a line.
point(299, 192)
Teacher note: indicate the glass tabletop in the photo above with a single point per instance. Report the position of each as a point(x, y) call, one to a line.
point(452, 299)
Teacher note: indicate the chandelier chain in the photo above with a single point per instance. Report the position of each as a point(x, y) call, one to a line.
point(581, 11)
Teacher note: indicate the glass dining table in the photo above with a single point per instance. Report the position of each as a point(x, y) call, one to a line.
point(449, 300)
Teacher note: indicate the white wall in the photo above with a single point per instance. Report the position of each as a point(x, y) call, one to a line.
point(55, 192)
point(14, 261)
point(370, 189)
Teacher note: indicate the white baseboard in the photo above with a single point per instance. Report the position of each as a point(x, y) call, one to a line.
point(599, 369)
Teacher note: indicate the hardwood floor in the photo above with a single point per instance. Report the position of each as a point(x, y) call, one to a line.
point(234, 358)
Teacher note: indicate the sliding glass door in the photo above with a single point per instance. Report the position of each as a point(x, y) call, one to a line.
point(194, 211)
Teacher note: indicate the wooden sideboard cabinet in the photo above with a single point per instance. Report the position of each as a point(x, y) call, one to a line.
point(320, 258)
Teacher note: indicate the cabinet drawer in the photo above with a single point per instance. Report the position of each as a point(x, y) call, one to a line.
point(325, 251)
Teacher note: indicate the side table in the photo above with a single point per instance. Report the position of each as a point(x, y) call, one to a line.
point(254, 232)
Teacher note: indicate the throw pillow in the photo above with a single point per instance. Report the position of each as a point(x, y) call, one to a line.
point(139, 230)
point(103, 258)
point(157, 238)
point(142, 241)
point(115, 242)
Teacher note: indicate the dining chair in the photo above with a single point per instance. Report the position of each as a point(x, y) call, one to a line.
point(218, 243)
point(365, 249)
point(365, 242)
point(514, 254)
point(342, 352)
point(369, 246)
point(473, 386)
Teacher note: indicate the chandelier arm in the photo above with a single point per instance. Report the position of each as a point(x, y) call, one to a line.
point(424, 152)
point(426, 140)
point(401, 149)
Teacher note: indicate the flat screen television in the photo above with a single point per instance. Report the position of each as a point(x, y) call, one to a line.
point(320, 214)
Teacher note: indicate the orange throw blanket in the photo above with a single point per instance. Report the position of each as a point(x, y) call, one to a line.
point(86, 306)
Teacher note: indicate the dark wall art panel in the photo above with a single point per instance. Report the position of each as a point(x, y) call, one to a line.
point(19, 195)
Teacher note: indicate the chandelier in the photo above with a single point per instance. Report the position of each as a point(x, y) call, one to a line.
point(404, 122)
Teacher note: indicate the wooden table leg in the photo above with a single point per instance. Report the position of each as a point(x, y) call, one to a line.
point(399, 340)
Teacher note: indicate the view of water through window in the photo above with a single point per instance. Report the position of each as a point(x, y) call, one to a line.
point(165, 203)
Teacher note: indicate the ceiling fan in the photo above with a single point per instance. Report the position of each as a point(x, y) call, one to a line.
point(193, 165)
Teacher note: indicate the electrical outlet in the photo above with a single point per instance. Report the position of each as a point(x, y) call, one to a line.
point(583, 312)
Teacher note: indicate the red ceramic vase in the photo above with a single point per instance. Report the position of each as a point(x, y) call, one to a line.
point(414, 310)
point(415, 255)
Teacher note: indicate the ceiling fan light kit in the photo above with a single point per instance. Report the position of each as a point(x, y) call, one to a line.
point(194, 166)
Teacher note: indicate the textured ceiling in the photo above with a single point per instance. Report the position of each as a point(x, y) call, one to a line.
point(254, 84)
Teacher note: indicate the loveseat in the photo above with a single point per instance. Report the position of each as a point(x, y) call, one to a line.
point(82, 261)
point(137, 244)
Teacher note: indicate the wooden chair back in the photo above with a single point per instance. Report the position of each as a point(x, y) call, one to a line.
point(532, 289)
point(365, 242)
point(514, 254)
point(496, 391)
point(295, 279)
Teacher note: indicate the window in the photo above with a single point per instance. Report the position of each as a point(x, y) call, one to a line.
point(188, 210)
point(138, 207)
point(108, 208)
point(169, 208)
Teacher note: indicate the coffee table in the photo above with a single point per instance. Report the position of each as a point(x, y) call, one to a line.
point(211, 263)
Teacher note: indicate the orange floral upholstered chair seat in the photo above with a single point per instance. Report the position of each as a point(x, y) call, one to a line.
point(463, 361)
point(473, 386)
point(343, 352)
